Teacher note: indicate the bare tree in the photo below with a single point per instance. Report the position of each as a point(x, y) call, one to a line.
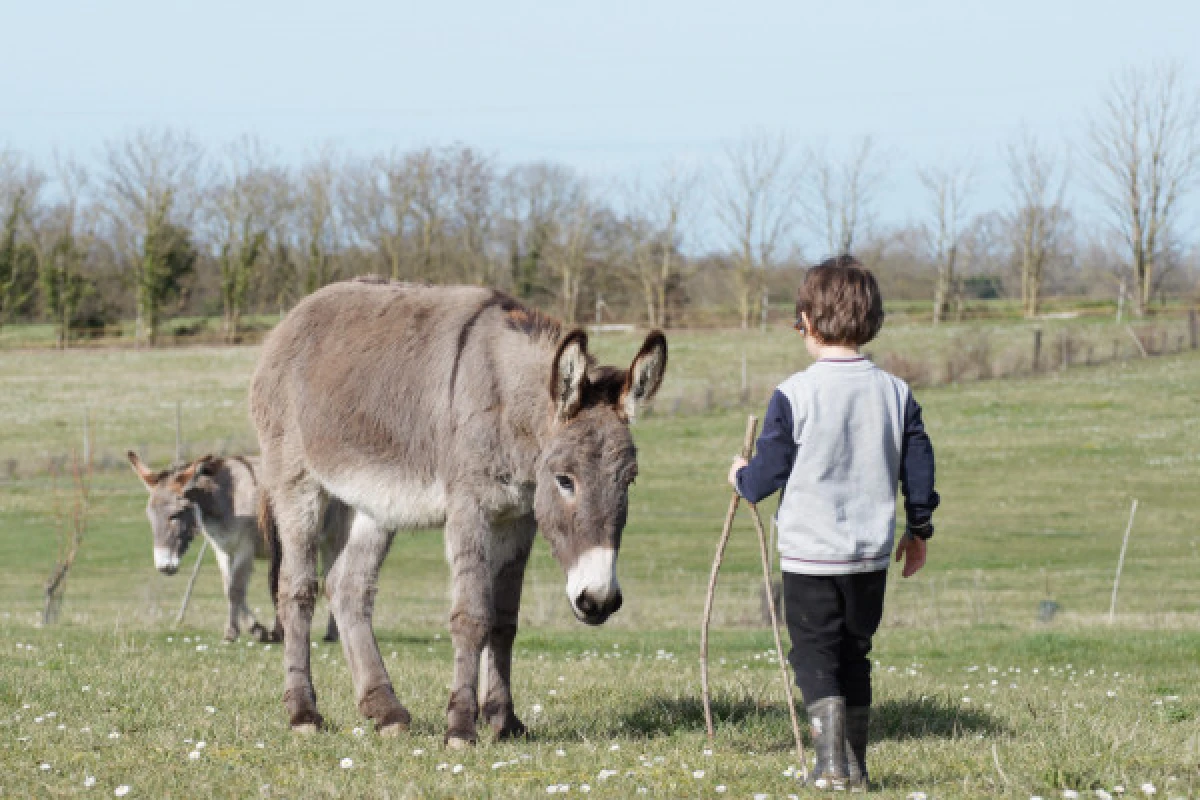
point(756, 197)
point(653, 232)
point(840, 194)
point(62, 241)
point(20, 188)
point(243, 206)
point(470, 181)
point(150, 186)
point(1038, 185)
point(317, 223)
point(948, 188)
point(572, 248)
point(1145, 142)
point(378, 200)
point(534, 199)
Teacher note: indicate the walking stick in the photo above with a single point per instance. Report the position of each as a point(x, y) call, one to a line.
point(187, 595)
point(747, 451)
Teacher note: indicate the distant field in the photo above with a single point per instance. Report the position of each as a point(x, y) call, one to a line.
point(1036, 474)
point(130, 396)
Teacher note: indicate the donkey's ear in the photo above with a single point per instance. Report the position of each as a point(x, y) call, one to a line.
point(644, 376)
point(149, 477)
point(568, 377)
point(193, 472)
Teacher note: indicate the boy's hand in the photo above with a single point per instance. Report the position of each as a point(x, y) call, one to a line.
point(912, 551)
point(738, 463)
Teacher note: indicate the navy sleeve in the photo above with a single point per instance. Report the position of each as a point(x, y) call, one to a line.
point(916, 469)
point(774, 455)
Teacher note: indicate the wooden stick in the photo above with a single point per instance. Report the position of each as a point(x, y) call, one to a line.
point(1137, 341)
point(747, 449)
point(187, 595)
point(1112, 606)
point(787, 684)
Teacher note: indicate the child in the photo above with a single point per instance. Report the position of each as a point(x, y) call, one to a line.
point(836, 439)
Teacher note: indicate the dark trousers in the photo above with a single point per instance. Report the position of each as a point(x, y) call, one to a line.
point(831, 619)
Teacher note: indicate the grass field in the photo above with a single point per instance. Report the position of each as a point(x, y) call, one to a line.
point(975, 696)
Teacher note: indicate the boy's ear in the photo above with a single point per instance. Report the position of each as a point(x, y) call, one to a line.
point(645, 375)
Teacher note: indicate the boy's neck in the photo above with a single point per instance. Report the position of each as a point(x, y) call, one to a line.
point(836, 352)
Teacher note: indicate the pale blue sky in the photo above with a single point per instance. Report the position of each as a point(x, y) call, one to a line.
point(610, 87)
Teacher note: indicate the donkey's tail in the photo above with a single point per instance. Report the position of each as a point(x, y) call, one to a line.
point(270, 534)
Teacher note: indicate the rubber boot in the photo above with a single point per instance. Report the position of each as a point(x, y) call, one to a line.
point(858, 719)
point(828, 719)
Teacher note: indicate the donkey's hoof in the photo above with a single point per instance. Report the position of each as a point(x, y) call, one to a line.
point(260, 633)
point(394, 723)
point(455, 742)
point(231, 635)
point(306, 721)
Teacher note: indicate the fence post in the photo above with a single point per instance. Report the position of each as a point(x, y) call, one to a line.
point(178, 431)
point(1037, 349)
point(1193, 329)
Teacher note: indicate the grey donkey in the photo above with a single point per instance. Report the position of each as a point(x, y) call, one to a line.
point(219, 498)
point(382, 406)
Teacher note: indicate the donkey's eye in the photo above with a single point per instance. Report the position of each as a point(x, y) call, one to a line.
point(565, 483)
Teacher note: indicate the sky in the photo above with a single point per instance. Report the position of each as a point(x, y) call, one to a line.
point(615, 89)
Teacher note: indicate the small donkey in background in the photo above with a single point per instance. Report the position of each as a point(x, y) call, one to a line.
point(219, 496)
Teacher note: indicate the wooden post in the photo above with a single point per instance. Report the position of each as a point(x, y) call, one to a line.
point(1037, 349)
point(1193, 329)
point(1066, 351)
point(178, 431)
point(745, 396)
point(1112, 606)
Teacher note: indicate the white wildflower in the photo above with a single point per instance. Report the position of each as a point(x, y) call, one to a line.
point(419, 752)
point(44, 767)
point(457, 769)
point(89, 781)
point(698, 774)
point(194, 755)
point(347, 763)
point(721, 788)
point(210, 709)
point(114, 735)
point(121, 790)
point(359, 732)
point(1148, 789)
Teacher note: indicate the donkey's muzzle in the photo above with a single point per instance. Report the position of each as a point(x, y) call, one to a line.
point(595, 612)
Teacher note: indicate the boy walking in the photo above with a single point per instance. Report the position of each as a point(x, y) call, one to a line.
point(837, 438)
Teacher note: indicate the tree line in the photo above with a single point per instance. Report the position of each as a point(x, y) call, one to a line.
point(158, 227)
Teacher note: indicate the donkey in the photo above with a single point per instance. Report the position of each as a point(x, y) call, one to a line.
point(218, 496)
point(385, 406)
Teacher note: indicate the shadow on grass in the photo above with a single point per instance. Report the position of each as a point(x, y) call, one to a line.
point(901, 718)
point(663, 716)
point(932, 717)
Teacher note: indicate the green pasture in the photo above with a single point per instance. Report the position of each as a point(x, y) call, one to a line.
point(976, 696)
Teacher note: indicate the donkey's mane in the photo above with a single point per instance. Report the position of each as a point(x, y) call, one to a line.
point(529, 321)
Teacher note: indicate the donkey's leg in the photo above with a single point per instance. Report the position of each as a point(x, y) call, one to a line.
point(241, 568)
point(232, 601)
point(351, 586)
point(333, 541)
point(467, 534)
point(298, 510)
point(509, 553)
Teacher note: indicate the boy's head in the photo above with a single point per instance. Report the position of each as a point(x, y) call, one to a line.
point(842, 302)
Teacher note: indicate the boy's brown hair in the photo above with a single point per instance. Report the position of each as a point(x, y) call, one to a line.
point(842, 300)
